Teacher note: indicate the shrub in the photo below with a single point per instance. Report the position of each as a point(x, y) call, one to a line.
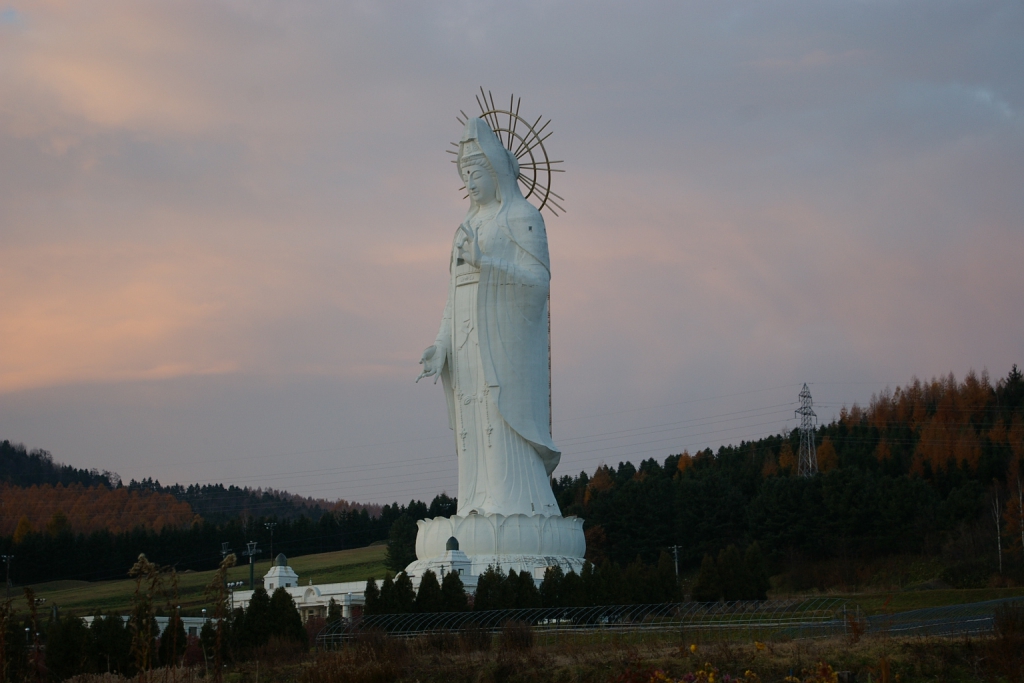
point(1009, 619)
point(970, 574)
point(475, 638)
point(516, 636)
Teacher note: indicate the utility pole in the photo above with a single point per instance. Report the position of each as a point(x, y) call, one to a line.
point(807, 462)
point(675, 554)
point(270, 526)
point(252, 553)
point(7, 559)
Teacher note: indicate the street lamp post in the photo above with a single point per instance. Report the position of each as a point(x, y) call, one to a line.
point(231, 587)
point(251, 551)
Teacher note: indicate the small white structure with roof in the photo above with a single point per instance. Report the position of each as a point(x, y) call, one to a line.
point(280, 575)
point(313, 601)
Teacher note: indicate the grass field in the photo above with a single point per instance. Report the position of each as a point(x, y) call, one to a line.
point(86, 598)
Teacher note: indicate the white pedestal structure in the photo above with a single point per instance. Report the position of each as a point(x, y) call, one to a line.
point(529, 543)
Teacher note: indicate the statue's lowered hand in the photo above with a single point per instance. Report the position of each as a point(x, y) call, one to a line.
point(432, 363)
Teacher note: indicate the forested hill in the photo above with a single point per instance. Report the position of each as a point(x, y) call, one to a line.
point(919, 470)
point(217, 503)
point(20, 467)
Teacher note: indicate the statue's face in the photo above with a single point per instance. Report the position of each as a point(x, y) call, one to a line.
point(480, 184)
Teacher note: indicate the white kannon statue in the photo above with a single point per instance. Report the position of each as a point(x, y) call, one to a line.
point(492, 355)
point(492, 347)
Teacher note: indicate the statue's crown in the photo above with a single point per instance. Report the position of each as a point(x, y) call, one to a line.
point(471, 153)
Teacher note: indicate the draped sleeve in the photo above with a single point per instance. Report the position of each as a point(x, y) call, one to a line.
point(512, 313)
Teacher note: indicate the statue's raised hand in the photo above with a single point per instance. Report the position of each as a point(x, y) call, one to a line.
point(468, 245)
point(432, 362)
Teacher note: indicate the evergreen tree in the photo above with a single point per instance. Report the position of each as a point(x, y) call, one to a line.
point(609, 577)
point(255, 626)
point(334, 609)
point(172, 641)
point(401, 544)
point(521, 590)
point(111, 645)
point(668, 582)
point(371, 597)
point(591, 585)
point(453, 594)
point(732, 578)
point(551, 587)
point(443, 505)
point(707, 587)
point(572, 591)
point(429, 598)
point(636, 584)
point(232, 636)
point(68, 645)
point(405, 595)
point(388, 603)
point(208, 639)
point(285, 620)
point(489, 590)
point(757, 573)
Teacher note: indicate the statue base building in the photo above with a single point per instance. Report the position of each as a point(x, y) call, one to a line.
point(529, 543)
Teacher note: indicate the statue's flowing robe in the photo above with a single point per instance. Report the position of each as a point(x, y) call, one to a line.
point(496, 372)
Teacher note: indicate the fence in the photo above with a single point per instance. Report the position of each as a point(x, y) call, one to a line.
point(689, 622)
point(685, 622)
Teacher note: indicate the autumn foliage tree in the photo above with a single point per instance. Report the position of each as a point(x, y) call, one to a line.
point(84, 509)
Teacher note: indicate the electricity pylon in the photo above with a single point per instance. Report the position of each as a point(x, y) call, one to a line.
point(807, 462)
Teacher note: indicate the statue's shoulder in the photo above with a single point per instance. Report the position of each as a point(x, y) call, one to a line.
point(526, 226)
point(524, 217)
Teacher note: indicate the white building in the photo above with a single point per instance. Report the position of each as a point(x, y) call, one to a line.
point(313, 600)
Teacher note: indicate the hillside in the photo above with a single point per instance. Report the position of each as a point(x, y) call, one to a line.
point(21, 467)
point(920, 470)
point(932, 469)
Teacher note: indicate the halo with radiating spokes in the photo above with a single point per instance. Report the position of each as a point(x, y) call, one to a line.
point(526, 141)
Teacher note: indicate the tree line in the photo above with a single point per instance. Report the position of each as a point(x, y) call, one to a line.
point(60, 553)
point(930, 468)
point(24, 469)
point(53, 508)
point(65, 646)
point(920, 470)
point(607, 584)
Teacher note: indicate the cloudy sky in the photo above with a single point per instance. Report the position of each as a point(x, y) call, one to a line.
point(224, 225)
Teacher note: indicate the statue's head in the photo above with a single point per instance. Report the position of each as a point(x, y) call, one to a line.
point(478, 175)
point(484, 163)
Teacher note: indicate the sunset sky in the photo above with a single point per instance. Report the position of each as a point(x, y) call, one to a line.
point(224, 225)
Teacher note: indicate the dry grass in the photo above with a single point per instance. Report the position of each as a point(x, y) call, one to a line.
point(933, 659)
point(444, 658)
